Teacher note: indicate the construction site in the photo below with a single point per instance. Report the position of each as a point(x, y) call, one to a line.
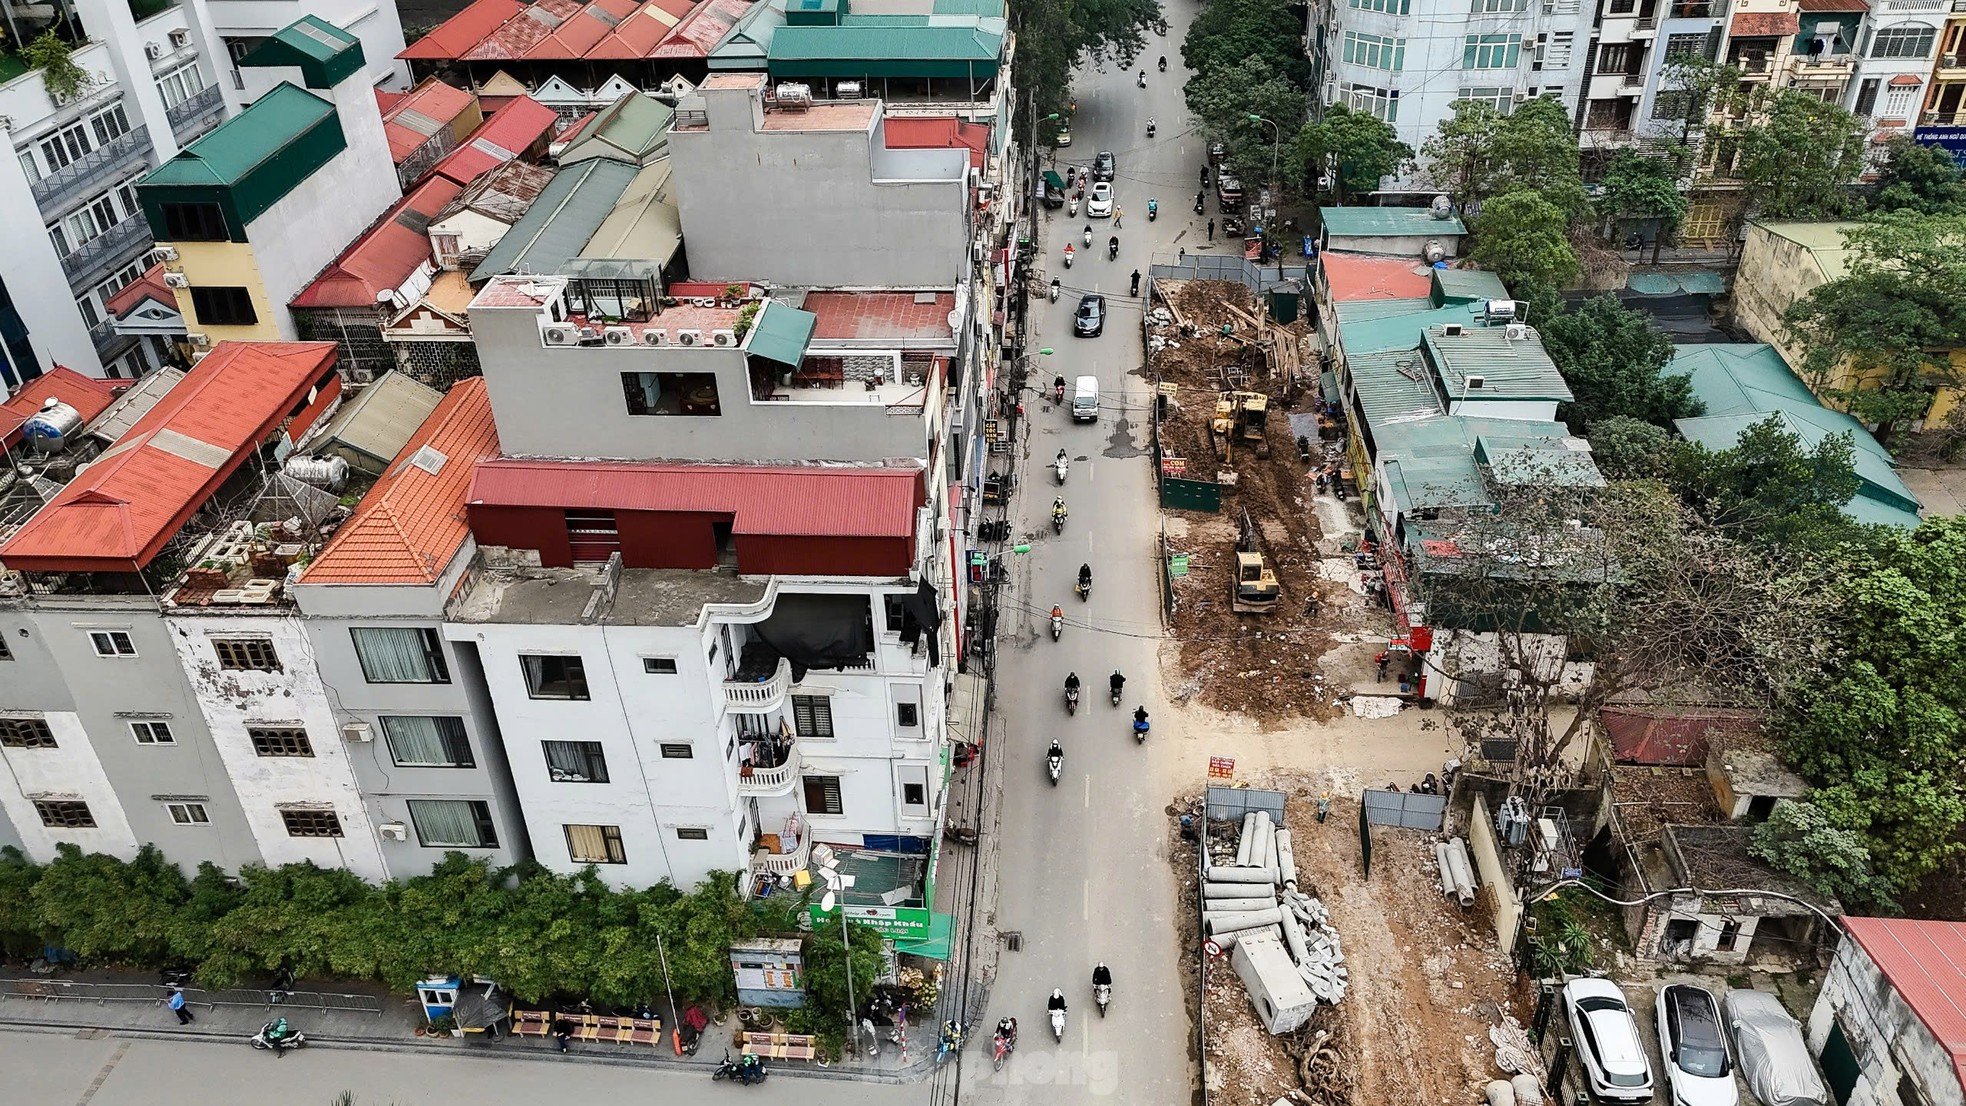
point(1258, 505)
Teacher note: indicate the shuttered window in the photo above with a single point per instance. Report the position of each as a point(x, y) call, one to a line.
point(812, 715)
point(823, 795)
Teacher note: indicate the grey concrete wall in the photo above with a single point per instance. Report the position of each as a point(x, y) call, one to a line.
point(561, 401)
point(794, 206)
point(1886, 1036)
point(62, 672)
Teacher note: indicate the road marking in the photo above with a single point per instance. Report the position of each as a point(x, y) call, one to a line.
point(103, 1075)
point(1088, 792)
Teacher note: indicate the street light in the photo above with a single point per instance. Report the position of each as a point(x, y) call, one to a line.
point(1276, 189)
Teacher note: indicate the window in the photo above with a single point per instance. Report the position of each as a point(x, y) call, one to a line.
point(180, 84)
point(1390, 7)
point(280, 741)
point(1555, 54)
point(195, 222)
point(1492, 52)
point(1375, 51)
point(246, 654)
point(592, 536)
point(812, 715)
point(670, 393)
point(427, 741)
point(453, 823)
point(152, 733)
point(311, 823)
point(1616, 57)
point(575, 762)
point(1692, 9)
point(595, 845)
point(1671, 105)
point(1380, 103)
point(109, 125)
point(400, 655)
point(188, 814)
point(1866, 97)
point(907, 715)
point(1686, 46)
point(1623, 7)
point(1499, 7)
point(1897, 102)
point(112, 643)
point(223, 306)
point(1908, 41)
point(914, 794)
point(1500, 98)
point(65, 146)
point(659, 666)
point(692, 833)
point(550, 677)
point(822, 794)
point(65, 813)
point(678, 750)
point(26, 733)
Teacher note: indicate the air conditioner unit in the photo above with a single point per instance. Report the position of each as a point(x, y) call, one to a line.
point(560, 336)
point(176, 280)
point(357, 731)
point(394, 831)
point(689, 337)
point(723, 337)
point(164, 254)
point(1516, 332)
point(618, 335)
point(180, 37)
point(202, 341)
point(153, 50)
point(654, 337)
point(6, 122)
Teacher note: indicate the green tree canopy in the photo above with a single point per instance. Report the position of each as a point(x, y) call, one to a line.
point(1799, 840)
point(1479, 153)
point(1640, 186)
point(1614, 360)
point(1769, 489)
point(1920, 178)
point(1520, 236)
point(1796, 155)
point(1227, 34)
point(1363, 147)
point(1224, 99)
point(1626, 448)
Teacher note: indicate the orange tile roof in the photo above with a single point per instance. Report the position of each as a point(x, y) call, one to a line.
point(450, 39)
point(1355, 277)
point(412, 522)
point(149, 286)
point(89, 396)
point(436, 105)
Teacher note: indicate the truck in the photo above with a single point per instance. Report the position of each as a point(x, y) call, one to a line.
point(1228, 190)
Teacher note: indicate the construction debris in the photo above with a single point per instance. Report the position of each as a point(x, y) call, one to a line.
point(1238, 918)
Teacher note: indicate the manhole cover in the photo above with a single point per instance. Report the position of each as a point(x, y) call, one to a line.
point(1013, 939)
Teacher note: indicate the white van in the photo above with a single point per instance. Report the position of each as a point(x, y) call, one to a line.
point(1085, 399)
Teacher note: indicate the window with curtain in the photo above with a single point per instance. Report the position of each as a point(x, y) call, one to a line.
point(400, 655)
point(595, 845)
point(453, 823)
point(426, 741)
point(575, 762)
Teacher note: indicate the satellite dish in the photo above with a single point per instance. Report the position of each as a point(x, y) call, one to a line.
point(826, 902)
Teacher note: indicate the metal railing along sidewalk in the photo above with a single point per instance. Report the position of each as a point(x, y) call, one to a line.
point(59, 990)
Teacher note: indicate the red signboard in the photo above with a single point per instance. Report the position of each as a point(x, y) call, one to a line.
point(1221, 768)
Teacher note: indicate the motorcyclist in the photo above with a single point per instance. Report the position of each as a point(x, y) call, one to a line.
point(1055, 287)
point(1163, 63)
point(1118, 682)
point(1136, 283)
point(1113, 245)
point(1007, 1032)
point(1139, 716)
point(1088, 236)
point(1150, 126)
point(1085, 576)
point(1057, 611)
point(751, 1069)
point(1143, 78)
point(952, 1035)
point(1058, 383)
point(1057, 999)
point(1058, 508)
point(1102, 976)
point(1060, 459)
point(278, 1034)
point(1071, 683)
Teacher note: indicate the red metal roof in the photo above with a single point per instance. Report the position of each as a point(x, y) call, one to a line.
point(1926, 963)
point(700, 32)
point(89, 396)
point(509, 132)
point(938, 132)
point(1668, 737)
point(436, 102)
point(149, 286)
point(412, 523)
point(792, 502)
point(1764, 24)
point(874, 315)
point(1354, 277)
point(1833, 5)
point(458, 34)
point(1906, 80)
point(642, 31)
point(385, 99)
point(119, 512)
point(386, 255)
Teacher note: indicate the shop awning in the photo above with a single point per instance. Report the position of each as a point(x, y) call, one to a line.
point(935, 944)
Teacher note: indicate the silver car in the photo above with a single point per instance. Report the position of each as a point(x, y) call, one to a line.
point(1608, 1045)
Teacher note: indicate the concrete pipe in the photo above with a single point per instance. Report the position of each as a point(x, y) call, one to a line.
point(1462, 869)
point(1230, 906)
point(1236, 921)
point(1293, 936)
point(1246, 840)
point(1286, 860)
point(1266, 841)
point(1528, 1090)
point(1446, 868)
point(1222, 889)
point(1219, 874)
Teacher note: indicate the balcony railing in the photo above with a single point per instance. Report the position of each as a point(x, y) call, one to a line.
point(76, 183)
point(759, 696)
point(190, 118)
point(783, 864)
point(99, 256)
point(764, 783)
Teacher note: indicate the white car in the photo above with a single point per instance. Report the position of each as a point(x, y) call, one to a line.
point(1698, 1068)
point(1607, 1040)
point(1099, 204)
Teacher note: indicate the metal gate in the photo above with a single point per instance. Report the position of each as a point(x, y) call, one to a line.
point(1224, 803)
point(1404, 808)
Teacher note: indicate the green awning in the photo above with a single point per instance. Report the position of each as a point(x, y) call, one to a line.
point(782, 334)
point(936, 943)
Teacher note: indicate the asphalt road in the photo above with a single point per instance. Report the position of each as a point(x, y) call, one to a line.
point(1082, 870)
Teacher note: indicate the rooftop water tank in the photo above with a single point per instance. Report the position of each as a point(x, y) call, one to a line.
point(53, 427)
point(321, 472)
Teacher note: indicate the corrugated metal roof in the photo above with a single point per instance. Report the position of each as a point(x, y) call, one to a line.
point(1468, 285)
point(512, 130)
point(1670, 738)
point(1532, 459)
point(782, 333)
point(248, 140)
point(1764, 24)
point(1431, 462)
point(425, 110)
point(700, 31)
point(1824, 241)
point(89, 396)
point(1509, 368)
point(119, 512)
point(1369, 326)
point(930, 132)
point(1926, 963)
point(632, 128)
point(454, 36)
point(381, 418)
point(1351, 277)
point(504, 192)
point(792, 502)
point(645, 225)
point(412, 523)
point(149, 286)
point(1393, 385)
point(386, 256)
point(325, 54)
point(134, 404)
point(558, 226)
point(858, 38)
point(1387, 222)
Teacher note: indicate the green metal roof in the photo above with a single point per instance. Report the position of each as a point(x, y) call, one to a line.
point(983, 9)
point(571, 207)
point(1386, 222)
point(1510, 368)
point(1823, 241)
point(1392, 386)
point(1468, 286)
point(889, 46)
point(632, 128)
point(1743, 384)
point(1520, 459)
point(1368, 326)
point(1434, 462)
point(250, 161)
point(325, 54)
point(781, 334)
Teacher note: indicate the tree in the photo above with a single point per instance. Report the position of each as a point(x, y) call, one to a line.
point(21, 928)
point(1520, 237)
point(1769, 489)
point(1920, 178)
point(1459, 158)
point(1227, 34)
point(1053, 37)
point(1614, 360)
point(1643, 188)
point(1362, 147)
point(1795, 154)
point(1479, 153)
point(110, 910)
point(1879, 338)
point(1799, 840)
point(1224, 99)
point(1629, 449)
point(1689, 88)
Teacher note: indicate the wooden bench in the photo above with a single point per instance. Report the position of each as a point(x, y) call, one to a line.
point(589, 1027)
point(781, 1046)
point(531, 1023)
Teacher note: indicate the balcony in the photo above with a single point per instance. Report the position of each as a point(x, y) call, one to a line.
point(782, 864)
point(196, 115)
point(756, 691)
point(1647, 25)
point(101, 255)
point(762, 780)
point(80, 180)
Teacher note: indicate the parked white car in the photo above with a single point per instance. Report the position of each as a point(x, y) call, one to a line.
point(1608, 1045)
point(1099, 204)
point(1698, 1067)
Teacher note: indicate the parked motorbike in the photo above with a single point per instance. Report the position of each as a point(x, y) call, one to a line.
point(748, 1070)
point(276, 1036)
point(1054, 762)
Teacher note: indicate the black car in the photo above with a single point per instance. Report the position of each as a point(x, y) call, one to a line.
point(1103, 166)
point(1090, 321)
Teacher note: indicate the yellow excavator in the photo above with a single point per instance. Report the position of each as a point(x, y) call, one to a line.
point(1242, 416)
point(1256, 588)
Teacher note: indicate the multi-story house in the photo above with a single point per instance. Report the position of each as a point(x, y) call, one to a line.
point(1631, 96)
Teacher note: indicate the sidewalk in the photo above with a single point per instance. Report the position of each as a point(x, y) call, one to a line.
point(390, 1028)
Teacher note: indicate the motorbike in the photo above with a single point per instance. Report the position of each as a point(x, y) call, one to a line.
point(1199, 208)
point(1140, 726)
point(1068, 252)
point(695, 1021)
point(1072, 208)
point(1163, 63)
point(1057, 522)
point(1084, 587)
point(1071, 700)
point(1112, 249)
point(294, 1038)
point(952, 1041)
point(1136, 283)
point(1153, 206)
point(748, 1070)
point(1057, 626)
point(1087, 236)
point(1116, 688)
point(1058, 390)
point(1058, 1018)
point(1003, 1045)
point(1150, 128)
point(1054, 295)
point(1143, 78)
point(1054, 762)
point(1102, 993)
point(1061, 466)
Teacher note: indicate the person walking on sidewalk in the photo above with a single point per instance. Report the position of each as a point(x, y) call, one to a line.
point(1211, 230)
point(176, 1002)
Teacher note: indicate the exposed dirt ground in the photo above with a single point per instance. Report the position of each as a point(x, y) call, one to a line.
point(1263, 665)
point(1427, 981)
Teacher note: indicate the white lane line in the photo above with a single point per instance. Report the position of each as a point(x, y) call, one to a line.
point(1088, 792)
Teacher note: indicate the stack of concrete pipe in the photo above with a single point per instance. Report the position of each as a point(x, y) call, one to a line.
point(1456, 870)
point(1242, 898)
